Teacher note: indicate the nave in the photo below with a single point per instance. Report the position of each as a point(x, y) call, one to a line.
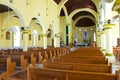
point(59, 39)
point(64, 64)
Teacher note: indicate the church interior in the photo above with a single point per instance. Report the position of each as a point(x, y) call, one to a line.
point(59, 40)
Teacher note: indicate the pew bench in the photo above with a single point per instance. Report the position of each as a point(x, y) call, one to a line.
point(35, 73)
point(79, 67)
point(88, 61)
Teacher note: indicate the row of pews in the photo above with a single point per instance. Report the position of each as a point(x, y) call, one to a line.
point(12, 59)
point(116, 52)
point(82, 64)
point(62, 64)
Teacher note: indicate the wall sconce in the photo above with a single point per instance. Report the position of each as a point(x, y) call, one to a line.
point(2, 36)
point(85, 29)
point(11, 1)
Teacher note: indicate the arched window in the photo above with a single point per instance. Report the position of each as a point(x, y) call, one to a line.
point(49, 33)
point(39, 37)
point(7, 35)
point(29, 36)
point(22, 36)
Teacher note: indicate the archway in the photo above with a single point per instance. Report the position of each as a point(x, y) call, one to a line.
point(36, 33)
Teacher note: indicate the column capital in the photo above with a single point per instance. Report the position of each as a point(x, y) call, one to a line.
point(25, 31)
point(108, 26)
point(57, 36)
point(44, 35)
point(68, 24)
point(102, 32)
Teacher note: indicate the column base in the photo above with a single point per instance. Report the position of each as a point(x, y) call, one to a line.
point(109, 54)
point(103, 49)
point(100, 47)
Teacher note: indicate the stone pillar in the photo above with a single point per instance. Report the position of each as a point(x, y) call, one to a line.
point(25, 40)
point(103, 40)
point(109, 46)
point(99, 39)
point(57, 41)
point(119, 24)
point(45, 40)
point(36, 40)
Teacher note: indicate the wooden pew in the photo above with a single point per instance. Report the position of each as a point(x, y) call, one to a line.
point(33, 59)
point(10, 67)
point(79, 67)
point(88, 51)
point(84, 57)
point(27, 55)
point(36, 73)
point(19, 60)
point(88, 61)
point(116, 52)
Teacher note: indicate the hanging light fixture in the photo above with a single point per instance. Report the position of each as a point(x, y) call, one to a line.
point(27, 2)
point(11, 1)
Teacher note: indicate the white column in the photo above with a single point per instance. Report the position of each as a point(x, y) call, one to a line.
point(57, 41)
point(109, 46)
point(25, 40)
point(119, 25)
point(108, 10)
point(99, 39)
point(103, 40)
point(36, 40)
point(45, 40)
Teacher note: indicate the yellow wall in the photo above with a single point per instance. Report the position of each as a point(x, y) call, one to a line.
point(45, 10)
point(80, 32)
point(63, 29)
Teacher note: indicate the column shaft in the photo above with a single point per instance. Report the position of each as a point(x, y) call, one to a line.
point(25, 41)
point(103, 41)
point(109, 42)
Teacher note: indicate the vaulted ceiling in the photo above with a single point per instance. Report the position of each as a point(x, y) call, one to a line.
point(4, 8)
point(72, 5)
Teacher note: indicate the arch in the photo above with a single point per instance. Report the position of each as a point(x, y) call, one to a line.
point(7, 19)
point(60, 6)
point(16, 11)
point(84, 9)
point(40, 21)
point(86, 16)
point(66, 15)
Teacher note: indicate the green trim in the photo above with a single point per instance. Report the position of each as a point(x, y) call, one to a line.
point(109, 54)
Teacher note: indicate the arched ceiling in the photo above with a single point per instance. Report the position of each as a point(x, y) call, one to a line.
point(85, 22)
point(72, 5)
point(4, 8)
